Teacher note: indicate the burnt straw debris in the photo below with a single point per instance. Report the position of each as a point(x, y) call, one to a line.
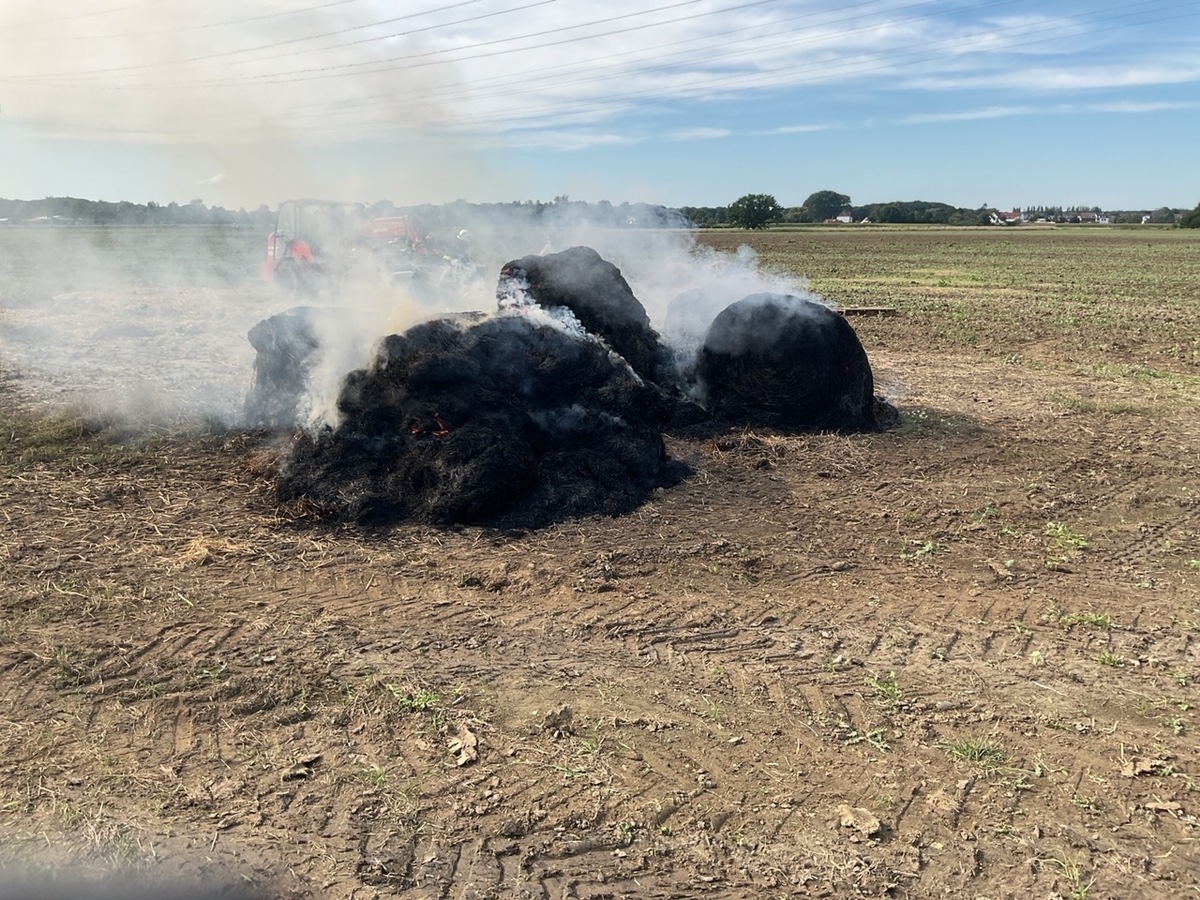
point(552, 408)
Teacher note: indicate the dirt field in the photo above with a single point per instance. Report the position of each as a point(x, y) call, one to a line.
point(957, 659)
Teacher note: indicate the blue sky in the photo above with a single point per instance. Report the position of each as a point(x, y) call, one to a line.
point(679, 102)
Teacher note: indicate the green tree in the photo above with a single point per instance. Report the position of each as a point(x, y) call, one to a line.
point(891, 212)
point(826, 205)
point(754, 211)
point(1190, 219)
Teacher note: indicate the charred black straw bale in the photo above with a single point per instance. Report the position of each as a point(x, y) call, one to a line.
point(600, 297)
point(286, 344)
point(508, 422)
point(788, 362)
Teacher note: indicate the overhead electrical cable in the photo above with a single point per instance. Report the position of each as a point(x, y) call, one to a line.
point(75, 14)
point(199, 26)
point(593, 72)
point(297, 40)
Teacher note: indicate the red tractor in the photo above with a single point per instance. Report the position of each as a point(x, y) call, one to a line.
point(317, 245)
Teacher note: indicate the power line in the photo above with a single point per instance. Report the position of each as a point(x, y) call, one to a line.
point(591, 77)
point(72, 16)
point(323, 72)
point(179, 29)
point(292, 75)
point(548, 74)
point(299, 40)
point(493, 42)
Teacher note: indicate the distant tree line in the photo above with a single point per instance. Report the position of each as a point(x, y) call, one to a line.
point(75, 211)
point(748, 211)
point(762, 210)
point(560, 211)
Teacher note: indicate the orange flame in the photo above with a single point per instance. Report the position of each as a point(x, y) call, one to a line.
point(441, 431)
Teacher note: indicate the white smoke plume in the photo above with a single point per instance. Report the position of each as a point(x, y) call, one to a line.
point(151, 324)
point(682, 285)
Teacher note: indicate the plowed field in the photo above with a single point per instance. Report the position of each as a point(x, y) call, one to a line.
point(959, 658)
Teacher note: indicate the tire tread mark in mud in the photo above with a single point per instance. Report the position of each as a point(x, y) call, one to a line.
point(542, 864)
point(182, 737)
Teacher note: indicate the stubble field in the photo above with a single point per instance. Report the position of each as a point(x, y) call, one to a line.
point(954, 659)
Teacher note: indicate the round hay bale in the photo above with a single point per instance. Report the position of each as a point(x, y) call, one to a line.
point(788, 362)
point(600, 298)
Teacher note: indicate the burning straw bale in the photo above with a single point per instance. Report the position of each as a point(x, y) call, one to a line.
point(788, 362)
point(515, 421)
point(284, 345)
point(289, 346)
point(554, 407)
point(598, 295)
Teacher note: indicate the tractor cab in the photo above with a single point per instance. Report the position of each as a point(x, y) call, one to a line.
point(319, 247)
point(311, 241)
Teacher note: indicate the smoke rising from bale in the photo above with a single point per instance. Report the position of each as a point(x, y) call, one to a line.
point(618, 281)
point(594, 290)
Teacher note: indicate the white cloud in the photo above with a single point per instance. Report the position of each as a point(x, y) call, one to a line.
point(1133, 106)
point(801, 129)
point(1000, 112)
point(1044, 79)
point(991, 112)
point(698, 134)
point(568, 139)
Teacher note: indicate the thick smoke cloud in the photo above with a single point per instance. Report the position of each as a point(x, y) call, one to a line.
point(659, 264)
point(152, 325)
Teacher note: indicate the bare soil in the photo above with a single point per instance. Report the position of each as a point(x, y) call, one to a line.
point(955, 659)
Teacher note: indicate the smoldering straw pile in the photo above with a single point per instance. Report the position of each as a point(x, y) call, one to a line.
point(555, 406)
